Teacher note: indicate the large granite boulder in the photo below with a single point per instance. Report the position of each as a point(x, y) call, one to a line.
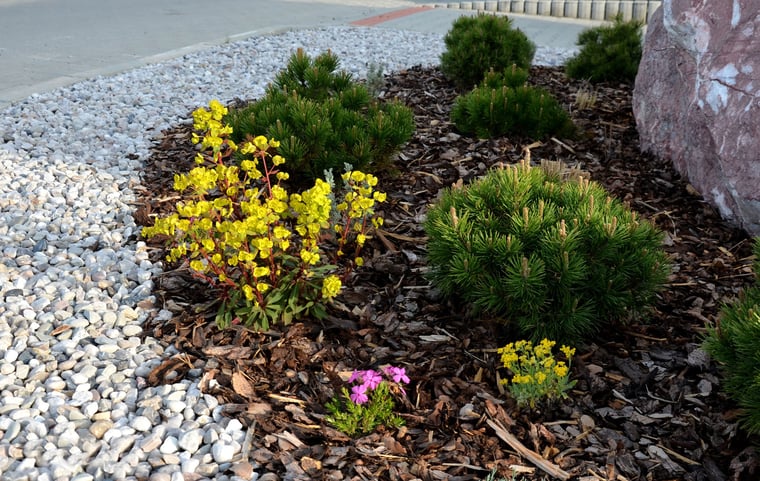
point(697, 100)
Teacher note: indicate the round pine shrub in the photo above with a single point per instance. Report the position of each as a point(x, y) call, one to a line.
point(609, 53)
point(735, 343)
point(324, 120)
point(477, 44)
point(544, 250)
point(504, 104)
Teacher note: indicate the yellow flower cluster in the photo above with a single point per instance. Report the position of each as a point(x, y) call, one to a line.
point(238, 236)
point(356, 208)
point(312, 209)
point(535, 371)
point(211, 122)
point(330, 287)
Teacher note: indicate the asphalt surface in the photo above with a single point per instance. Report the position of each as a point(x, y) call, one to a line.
point(45, 44)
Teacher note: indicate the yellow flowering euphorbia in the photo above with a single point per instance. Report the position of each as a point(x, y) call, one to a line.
point(245, 235)
point(356, 209)
point(536, 374)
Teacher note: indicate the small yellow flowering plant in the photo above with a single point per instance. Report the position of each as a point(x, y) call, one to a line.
point(256, 244)
point(355, 211)
point(536, 374)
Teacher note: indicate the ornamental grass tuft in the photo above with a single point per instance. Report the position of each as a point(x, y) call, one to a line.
point(545, 250)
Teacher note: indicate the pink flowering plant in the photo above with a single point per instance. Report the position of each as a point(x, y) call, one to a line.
point(370, 401)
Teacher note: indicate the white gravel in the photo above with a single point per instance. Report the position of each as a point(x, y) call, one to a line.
point(75, 279)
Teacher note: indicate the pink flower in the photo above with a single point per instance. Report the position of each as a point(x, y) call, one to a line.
point(358, 394)
point(372, 379)
point(356, 375)
point(398, 374)
point(369, 378)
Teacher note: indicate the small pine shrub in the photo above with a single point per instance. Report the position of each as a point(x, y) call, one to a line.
point(735, 343)
point(545, 250)
point(475, 45)
point(609, 53)
point(324, 120)
point(504, 104)
point(317, 79)
point(512, 77)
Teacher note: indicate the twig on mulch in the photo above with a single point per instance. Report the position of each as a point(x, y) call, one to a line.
point(535, 458)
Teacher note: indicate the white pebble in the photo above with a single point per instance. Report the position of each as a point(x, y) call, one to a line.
point(141, 424)
point(170, 445)
point(223, 453)
point(190, 441)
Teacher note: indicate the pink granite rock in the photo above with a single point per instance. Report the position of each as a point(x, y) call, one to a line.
point(697, 100)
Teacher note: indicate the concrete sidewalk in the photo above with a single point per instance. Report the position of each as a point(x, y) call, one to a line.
point(45, 44)
point(542, 30)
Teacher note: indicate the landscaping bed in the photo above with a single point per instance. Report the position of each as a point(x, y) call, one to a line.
point(647, 403)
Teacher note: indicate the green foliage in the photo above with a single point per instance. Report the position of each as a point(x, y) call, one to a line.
point(512, 77)
point(492, 477)
point(545, 250)
point(536, 374)
point(316, 79)
point(504, 104)
point(353, 419)
point(608, 53)
point(475, 45)
point(324, 120)
point(370, 403)
point(735, 343)
point(258, 246)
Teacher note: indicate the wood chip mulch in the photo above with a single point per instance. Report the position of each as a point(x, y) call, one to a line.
point(647, 404)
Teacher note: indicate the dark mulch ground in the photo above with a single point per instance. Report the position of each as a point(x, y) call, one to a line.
point(647, 404)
